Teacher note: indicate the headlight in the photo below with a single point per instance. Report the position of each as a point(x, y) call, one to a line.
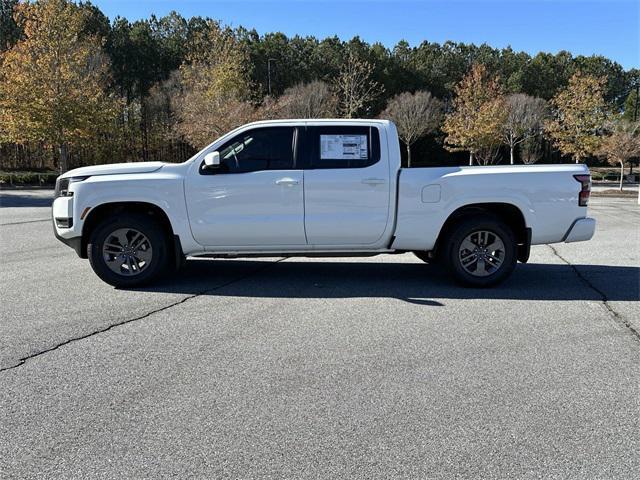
point(63, 184)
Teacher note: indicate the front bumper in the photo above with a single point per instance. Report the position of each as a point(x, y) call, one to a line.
point(66, 228)
point(74, 242)
point(581, 230)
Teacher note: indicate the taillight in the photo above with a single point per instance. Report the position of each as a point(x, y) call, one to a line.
point(583, 196)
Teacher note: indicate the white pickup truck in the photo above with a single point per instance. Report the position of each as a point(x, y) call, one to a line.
point(315, 188)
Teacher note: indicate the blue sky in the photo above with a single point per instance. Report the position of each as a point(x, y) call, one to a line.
point(606, 27)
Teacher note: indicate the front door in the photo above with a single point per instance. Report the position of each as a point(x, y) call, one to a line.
point(254, 198)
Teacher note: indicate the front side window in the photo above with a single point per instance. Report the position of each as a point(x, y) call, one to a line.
point(268, 148)
point(343, 146)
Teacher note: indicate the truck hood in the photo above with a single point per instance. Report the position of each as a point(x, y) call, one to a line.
point(114, 169)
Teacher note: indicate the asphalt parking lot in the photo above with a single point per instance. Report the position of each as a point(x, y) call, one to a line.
point(320, 368)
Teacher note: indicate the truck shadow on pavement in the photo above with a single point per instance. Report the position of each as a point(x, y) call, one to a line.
point(411, 282)
point(16, 200)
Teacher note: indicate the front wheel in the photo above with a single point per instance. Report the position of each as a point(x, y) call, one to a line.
point(481, 252)
point(128, 250)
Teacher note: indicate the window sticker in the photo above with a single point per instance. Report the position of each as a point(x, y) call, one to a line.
point(343, 147)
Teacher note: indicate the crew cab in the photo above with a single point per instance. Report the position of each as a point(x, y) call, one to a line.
point(316, 188)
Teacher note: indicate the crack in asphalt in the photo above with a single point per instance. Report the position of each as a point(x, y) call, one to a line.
point(26, 221)
point(604, 300)
point(23, 360)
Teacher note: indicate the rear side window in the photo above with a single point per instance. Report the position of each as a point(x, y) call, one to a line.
point(268, 148)
point(342, 147)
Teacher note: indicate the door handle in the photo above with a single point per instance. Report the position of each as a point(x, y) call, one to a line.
point(287, 181)
point(374, 181)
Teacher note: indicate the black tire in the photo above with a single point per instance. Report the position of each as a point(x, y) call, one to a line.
point(152, 270)
point(491, 274)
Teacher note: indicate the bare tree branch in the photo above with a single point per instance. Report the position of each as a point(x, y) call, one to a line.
point(524, 120)
point(415, 115)
point(311, 100)
point(621, 144)
point(355, 88)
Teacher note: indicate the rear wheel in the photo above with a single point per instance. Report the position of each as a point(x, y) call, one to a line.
point(481, 252)
point(128, 250)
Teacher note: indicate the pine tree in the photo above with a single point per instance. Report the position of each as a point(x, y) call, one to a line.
point(631, 107)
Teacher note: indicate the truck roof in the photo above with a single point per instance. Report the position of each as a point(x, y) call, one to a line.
point(319, 121)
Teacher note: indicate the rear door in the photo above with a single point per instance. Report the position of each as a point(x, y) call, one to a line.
point(346, 185)
point(255, 197)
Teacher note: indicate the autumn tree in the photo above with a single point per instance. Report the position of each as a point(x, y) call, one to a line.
point(580, 112)
point(52, 81)
point(415, 115)
point(479, 112)
point(310, 100)
point(355, 87)
point(214, 87)
point(621, 143)
point(524, 120)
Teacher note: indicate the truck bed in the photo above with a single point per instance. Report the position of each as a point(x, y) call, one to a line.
point(547, 196)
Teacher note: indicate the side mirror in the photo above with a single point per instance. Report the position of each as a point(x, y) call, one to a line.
point(212, 159)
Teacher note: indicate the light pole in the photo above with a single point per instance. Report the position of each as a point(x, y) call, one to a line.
point(269, 72)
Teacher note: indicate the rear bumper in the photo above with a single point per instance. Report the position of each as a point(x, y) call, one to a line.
point(581, 230)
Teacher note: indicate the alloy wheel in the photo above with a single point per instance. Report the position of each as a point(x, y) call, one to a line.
point(127, 251)
point(481, 253)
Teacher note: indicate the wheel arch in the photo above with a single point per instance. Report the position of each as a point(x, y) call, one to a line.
point(508, 213)
point(105, 210)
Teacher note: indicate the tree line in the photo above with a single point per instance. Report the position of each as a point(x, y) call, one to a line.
point(77, 89)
